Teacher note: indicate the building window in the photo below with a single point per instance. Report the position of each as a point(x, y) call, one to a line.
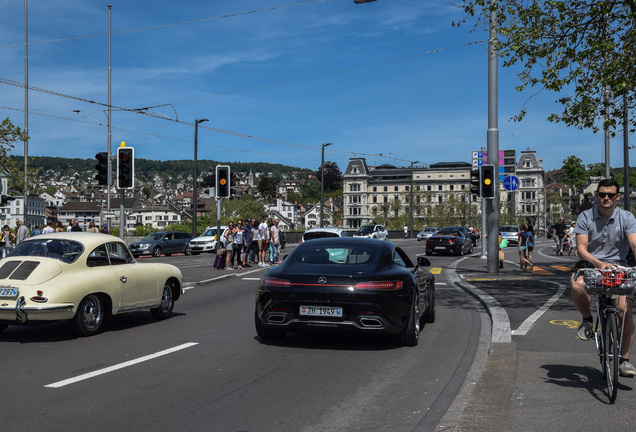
point(375, 188)
point(395, 188)
point(440, 187)
point(429, 188)
point(386, 189)
point(375, 198)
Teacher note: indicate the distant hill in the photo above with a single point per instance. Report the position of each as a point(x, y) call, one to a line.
point(146, 168)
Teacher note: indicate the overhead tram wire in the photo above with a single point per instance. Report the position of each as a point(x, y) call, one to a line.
point(234, 149)
point(168, 25)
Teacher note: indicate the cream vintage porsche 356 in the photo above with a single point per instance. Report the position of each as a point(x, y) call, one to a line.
point(81, 277)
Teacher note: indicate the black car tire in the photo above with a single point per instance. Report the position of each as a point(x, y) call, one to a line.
point(187, 251)
point(471, 249)
point(156, 252)
point(266, 332)
point(164, 310)
point(89, 316)
point(410, 335)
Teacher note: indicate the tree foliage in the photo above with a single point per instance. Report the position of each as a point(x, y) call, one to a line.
point(575, 173)
point(582, 49)
point(10, 135)
point(333, 176)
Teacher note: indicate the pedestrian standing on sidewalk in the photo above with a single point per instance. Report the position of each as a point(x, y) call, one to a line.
point(275, 240)
point(522, 246)
point(263, 243)
point(22, 232)
point(530, 243)
point(7, 238)
point(237, 248)
point(255, 240)
point(604, 236)
point(229, 244)
point(247, 242)
point(406, 231)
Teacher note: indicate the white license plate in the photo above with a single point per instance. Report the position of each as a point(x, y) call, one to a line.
point(8, 292)
point(440, 247)
point(321, 311)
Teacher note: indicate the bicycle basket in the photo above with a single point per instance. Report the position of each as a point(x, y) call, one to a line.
point(610, 281)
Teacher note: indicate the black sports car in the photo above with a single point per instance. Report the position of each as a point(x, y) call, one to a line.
point(449, 241)
point(345, 283)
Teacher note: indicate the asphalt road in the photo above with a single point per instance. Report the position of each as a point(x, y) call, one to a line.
point(205, 369)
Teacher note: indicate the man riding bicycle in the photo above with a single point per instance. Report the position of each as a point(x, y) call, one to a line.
point(604, 236)
point(559, 233)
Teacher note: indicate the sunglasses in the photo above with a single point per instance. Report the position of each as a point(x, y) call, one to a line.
point(610, 195)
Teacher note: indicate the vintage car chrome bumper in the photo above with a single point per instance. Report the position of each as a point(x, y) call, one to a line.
point(21, 313)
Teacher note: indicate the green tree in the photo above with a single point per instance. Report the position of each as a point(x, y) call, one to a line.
point(244, 207)
point(310, 191)
point(582, 49)
point(575, 173)
point(333, 176)
point(10, 135)
point(267, 187)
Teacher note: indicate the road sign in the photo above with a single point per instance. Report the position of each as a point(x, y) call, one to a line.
point(511, 183)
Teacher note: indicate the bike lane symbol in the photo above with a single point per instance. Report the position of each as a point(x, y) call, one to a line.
point(568, 323)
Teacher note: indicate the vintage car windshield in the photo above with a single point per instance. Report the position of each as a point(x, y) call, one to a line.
point(337, 255)
point(63, 250)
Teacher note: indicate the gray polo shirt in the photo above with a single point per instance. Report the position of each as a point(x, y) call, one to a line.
point(607, 241)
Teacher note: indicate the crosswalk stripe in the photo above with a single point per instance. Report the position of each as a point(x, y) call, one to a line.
point(542, 271)
point(562, 268)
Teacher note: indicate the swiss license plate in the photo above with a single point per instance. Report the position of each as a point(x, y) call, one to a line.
point(321, 311)
point(440, 247)
point(8, 292)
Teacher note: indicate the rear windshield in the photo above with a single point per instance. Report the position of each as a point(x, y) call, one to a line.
point(337, 255)
point(319, 234)
point(63, 250)
point(448, 233)
point(509, 229)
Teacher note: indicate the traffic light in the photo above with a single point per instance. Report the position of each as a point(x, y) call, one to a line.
point(6, 198)
point(102, 168)
point(488, 181)
point(223, 181)
point(475, 181)
point(125, 167)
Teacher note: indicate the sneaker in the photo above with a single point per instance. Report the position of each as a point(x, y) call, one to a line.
point(585, 331)
point(626, 369)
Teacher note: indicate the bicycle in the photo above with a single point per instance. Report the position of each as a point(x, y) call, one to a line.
point(605, 283)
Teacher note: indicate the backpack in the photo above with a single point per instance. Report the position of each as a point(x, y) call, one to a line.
point(530, 241)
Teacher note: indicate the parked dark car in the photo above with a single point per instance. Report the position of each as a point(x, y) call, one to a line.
point(162, 242)
point(449, 241)
point(345, 284)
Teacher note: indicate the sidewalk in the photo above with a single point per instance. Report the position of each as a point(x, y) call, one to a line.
point(490, 399)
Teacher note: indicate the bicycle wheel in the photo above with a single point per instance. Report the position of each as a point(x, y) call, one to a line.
point(611, 355)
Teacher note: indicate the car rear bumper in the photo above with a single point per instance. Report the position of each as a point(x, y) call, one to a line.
point(22, 313)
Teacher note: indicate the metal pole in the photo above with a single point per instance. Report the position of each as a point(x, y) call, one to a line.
point(109, 182)
point(122, 213)
point(493, 142)
point(322, 183)
point(195, 194)
point(194, 180)
point(411, 199)
point(26, 111)
point(626, 152)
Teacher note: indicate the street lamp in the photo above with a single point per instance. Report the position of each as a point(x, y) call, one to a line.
point(411, 199)
point(322, 182)
point(195, 205)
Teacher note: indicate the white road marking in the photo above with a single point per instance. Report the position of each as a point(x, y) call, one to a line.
point(119, 366)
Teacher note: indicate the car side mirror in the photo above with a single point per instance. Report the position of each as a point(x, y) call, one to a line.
point(423, 262)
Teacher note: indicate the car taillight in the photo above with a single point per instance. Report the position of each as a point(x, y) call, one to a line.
point(39, 298)
point(383, 285)
point(452, 241)
point(275, 282)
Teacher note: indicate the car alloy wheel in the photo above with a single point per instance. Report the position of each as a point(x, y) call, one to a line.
point(164, 310)
point(156, 252)
point(89, 316)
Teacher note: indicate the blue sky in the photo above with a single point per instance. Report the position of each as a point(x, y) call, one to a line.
point(275, 78)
